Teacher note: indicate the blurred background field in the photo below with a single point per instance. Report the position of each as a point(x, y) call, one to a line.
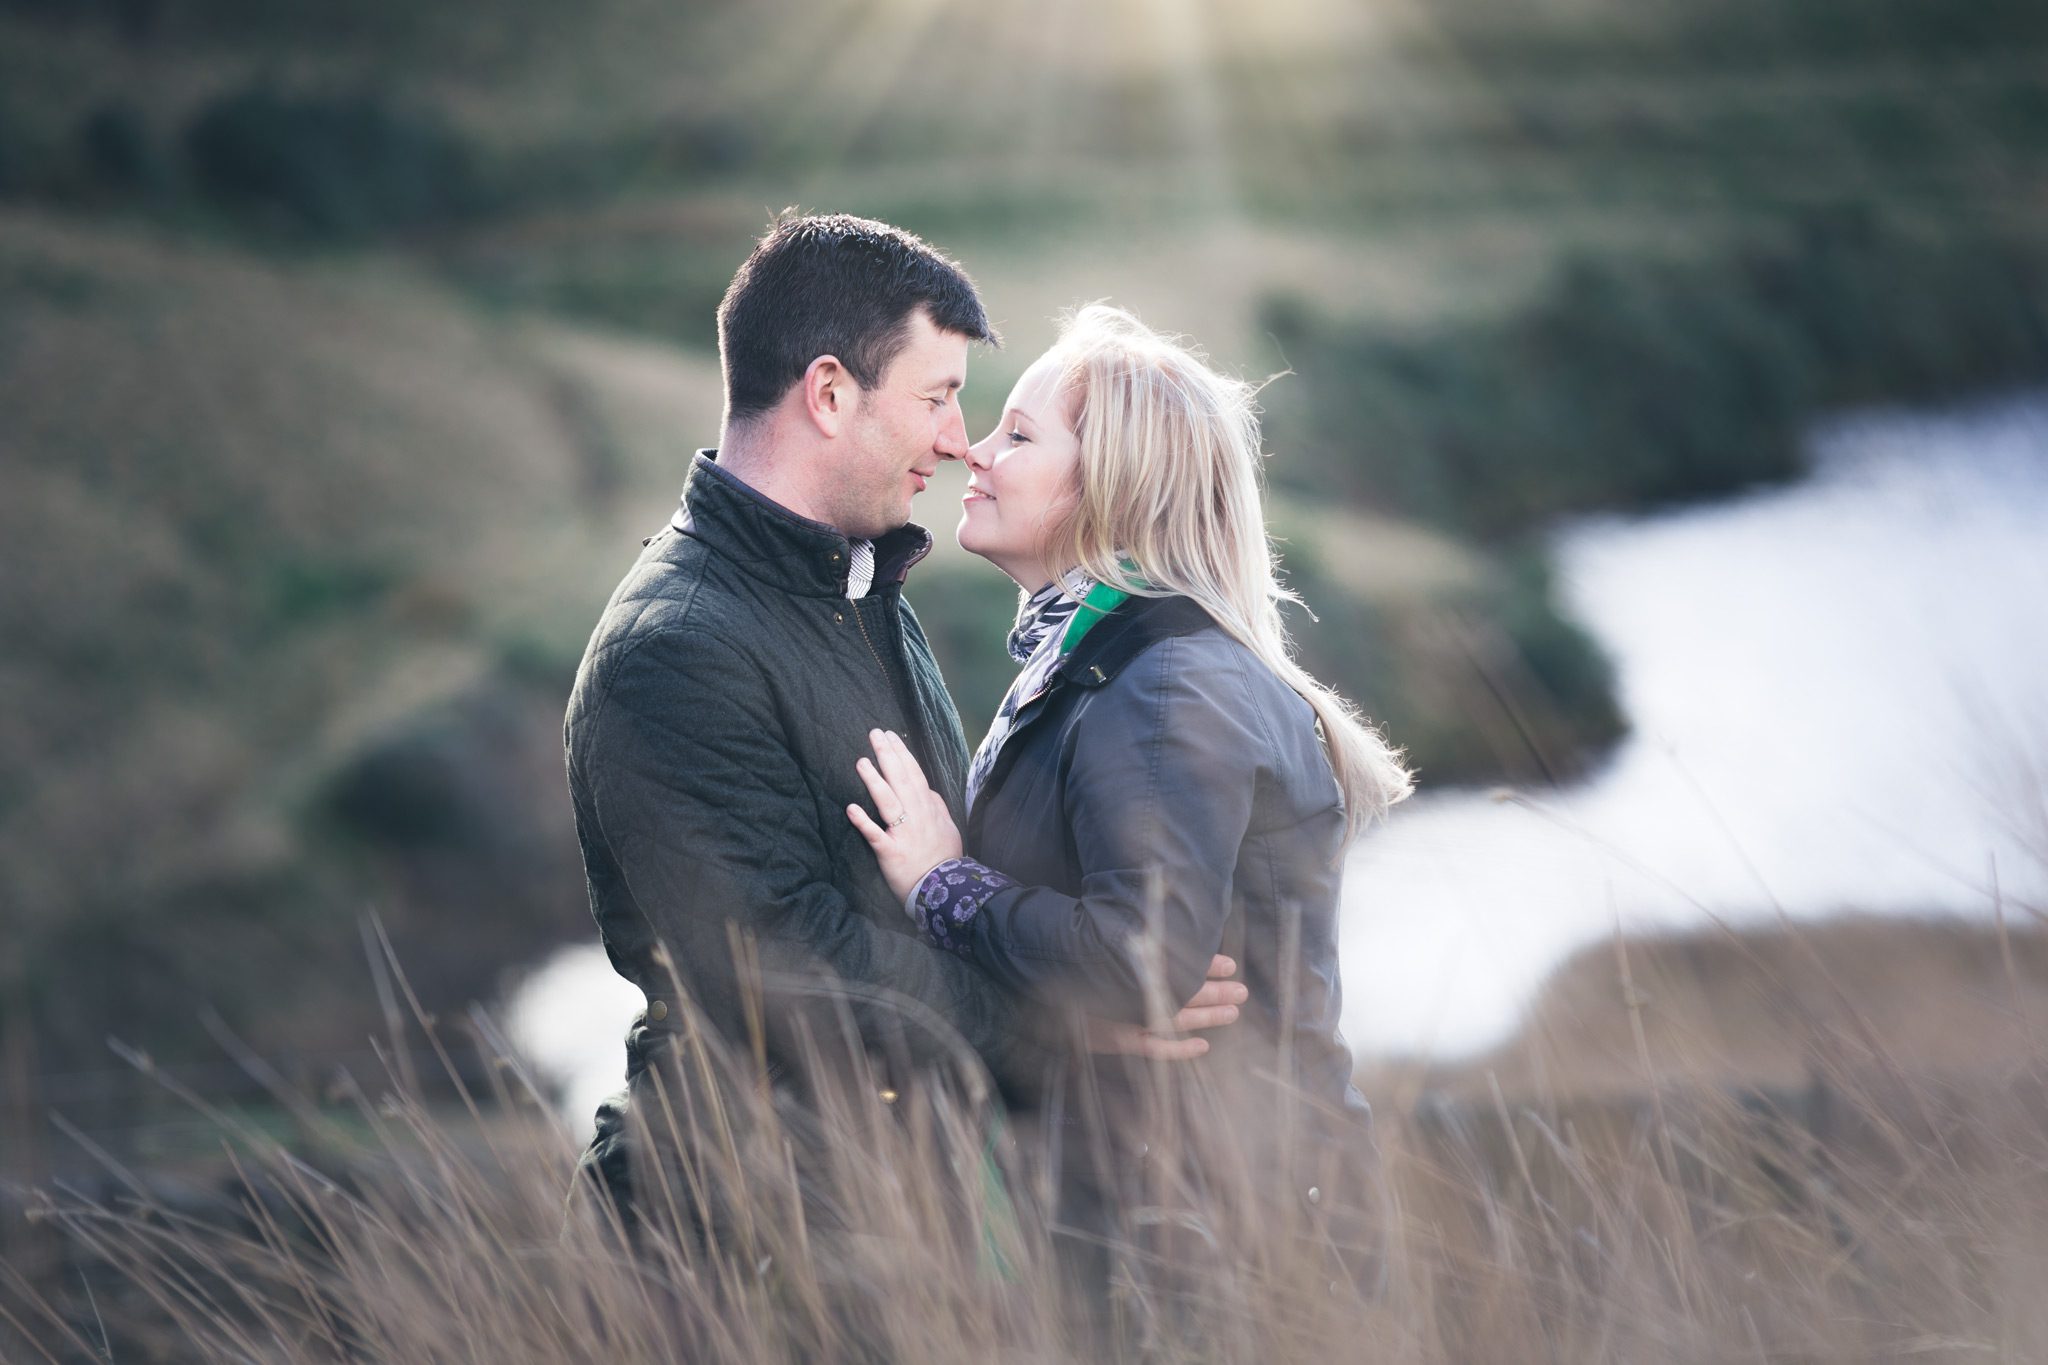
point(346, 352)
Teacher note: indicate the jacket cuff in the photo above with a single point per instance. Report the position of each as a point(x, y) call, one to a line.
point(950, 896)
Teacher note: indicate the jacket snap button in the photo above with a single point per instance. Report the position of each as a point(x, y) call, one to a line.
point(1095, 672)
point(840, 617)
point(835, 556)
point(658, 1010)
point(1315, 1194)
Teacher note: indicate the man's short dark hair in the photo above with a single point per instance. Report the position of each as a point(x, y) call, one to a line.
point(833, 284)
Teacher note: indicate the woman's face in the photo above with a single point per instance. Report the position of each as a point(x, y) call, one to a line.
point(1023, 477)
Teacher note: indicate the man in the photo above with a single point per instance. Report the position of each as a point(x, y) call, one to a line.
point(739, 670)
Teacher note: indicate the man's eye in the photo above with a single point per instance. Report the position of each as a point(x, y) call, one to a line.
point(940, 402)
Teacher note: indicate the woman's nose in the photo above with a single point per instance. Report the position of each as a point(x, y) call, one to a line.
point(977, 455)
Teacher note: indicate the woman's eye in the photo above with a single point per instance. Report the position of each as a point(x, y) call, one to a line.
point(1018, 438)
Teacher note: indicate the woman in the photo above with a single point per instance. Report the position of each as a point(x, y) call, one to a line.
point(1163, 782)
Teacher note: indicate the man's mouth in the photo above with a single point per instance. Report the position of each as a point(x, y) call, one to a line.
point(921, 477)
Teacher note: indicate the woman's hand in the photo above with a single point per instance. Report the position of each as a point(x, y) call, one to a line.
point(917, 831)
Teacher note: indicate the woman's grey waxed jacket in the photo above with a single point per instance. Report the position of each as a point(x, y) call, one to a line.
point(1166, 797)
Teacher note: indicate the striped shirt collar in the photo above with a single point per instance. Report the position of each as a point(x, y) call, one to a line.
point(860, 570)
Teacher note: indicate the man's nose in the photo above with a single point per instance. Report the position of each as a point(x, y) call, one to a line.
point(977, 455)
point(952, 442)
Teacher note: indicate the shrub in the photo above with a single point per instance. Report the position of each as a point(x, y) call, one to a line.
point(338, 165)
point(1478, 683)
point(119, 153)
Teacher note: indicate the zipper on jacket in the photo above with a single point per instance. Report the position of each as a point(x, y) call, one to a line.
point(870, 641)
point(920, 746)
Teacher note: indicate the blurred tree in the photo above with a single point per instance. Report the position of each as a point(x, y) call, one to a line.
point(119, 152)
point(343, 165)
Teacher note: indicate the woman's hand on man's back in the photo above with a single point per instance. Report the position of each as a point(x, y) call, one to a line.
point(1213, 1006)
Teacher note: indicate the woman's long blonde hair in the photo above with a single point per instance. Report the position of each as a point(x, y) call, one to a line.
point(1170, 488)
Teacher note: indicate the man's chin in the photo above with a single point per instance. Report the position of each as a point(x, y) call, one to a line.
point(882, 526)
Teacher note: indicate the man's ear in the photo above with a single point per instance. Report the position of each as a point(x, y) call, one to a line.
point(830, 394)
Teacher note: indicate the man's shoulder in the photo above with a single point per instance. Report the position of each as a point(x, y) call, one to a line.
point(673, 599)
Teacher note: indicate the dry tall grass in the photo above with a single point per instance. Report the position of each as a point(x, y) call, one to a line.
point(1872, 1215)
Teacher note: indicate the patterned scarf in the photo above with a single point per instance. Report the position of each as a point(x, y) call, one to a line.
point(1034, 643)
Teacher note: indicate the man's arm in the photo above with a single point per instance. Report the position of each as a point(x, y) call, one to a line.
point(708, 816)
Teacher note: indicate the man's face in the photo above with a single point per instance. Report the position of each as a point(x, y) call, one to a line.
point(901, 429)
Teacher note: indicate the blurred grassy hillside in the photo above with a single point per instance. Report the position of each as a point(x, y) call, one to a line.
point(1877, 1199)
point(346, 351)
point(1776, 1007)
point(302, 554)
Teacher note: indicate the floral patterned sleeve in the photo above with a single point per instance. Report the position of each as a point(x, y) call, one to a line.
point(950, 895)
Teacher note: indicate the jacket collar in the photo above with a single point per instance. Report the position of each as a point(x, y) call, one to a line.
point(772, 543)
point(1121, 636)
point(1099, 656)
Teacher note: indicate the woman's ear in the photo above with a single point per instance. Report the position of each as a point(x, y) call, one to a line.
point(829, 394)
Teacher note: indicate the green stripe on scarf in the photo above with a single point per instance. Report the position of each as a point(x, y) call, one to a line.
point(1100, 602)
